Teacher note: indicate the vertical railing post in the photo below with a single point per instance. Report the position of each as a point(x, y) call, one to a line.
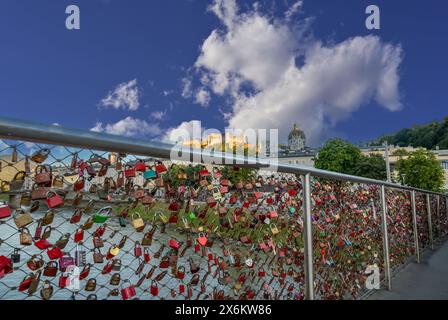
point(385, 237)
point(308, 234)
point(415, 226)
point(428, 210)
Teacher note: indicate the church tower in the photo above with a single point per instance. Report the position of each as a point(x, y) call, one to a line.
point(296, 139)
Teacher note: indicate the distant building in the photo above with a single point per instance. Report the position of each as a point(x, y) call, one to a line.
point(296, 139)
point(296, 152)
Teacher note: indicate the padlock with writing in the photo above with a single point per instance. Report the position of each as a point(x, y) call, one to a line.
point(80, 256)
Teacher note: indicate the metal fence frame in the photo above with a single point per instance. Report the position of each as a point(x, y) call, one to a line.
point(13, 129)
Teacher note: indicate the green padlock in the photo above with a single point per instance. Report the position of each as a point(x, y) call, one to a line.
point(191, 216)
point(122, 222)
point(102, 215)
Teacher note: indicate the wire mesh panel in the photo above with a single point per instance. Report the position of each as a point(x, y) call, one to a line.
point(347, 238)
point(443, 216)
point(399, 227)
point(83, 224)
point(435, 219)
point(422, 220)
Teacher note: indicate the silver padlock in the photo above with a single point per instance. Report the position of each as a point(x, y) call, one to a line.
point(116, 264)
point(80, 257)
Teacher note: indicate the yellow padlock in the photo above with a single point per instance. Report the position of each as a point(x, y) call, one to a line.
point(114, 251)
point(274, 229)
point(163, 217)
point(137, 222)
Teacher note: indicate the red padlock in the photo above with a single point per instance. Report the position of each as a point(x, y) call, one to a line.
point(5, 210)
point(38, 231)
point(181, 288)
point(154, 288)
point(54, 253)
point(137, 249)
point(174, 244)
point(79, 184)
point(100, 231)
point(107, 268)
point(43, 244)
point(85, 272)
point(79, 235)
point(261, 273)
point(160, 167)
point(63, 281)
point(129, 172)
point(128, 291)
point(180, 273)
point(140, 166)
point(6, 265)
point(54, 200)
point(76, 217)
point(25, 284)
point(146, 255)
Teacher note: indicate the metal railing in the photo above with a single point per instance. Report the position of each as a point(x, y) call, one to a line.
point(333, 208)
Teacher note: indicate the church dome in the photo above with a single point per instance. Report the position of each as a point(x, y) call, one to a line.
point(296, 133)
point(296, 139)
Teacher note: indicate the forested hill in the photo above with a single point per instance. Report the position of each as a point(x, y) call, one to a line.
point(427, 136)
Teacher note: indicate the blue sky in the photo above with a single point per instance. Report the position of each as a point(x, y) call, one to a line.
point(154, 48)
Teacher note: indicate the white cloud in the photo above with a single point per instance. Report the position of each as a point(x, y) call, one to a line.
point(186, 88)
point(129, 127)
point(260, 52)
point(124, 96)
point(202, 97)
point(188, 130)
point(293, 9)
point(158, 115)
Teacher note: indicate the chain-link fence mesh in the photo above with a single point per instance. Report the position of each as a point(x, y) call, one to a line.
point(85, 224)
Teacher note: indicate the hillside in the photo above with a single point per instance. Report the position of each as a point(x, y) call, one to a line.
point(427, 136)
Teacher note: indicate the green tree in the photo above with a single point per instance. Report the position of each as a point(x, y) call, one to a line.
point(421, 170)
point(339, 156)
point(400, 153)
point(372, 166)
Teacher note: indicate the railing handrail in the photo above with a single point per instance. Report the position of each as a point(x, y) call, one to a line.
point(14, 129)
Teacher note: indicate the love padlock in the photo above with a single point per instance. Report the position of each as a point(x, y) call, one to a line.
point(154, 288)
point(127, 290)
point(146, 255)
point(79, 235)
point(174, 244)
point(5, 210)
point(202, 239)
point(54, 200)
point(137, 222)
point(112, 252)
point(138, 249)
